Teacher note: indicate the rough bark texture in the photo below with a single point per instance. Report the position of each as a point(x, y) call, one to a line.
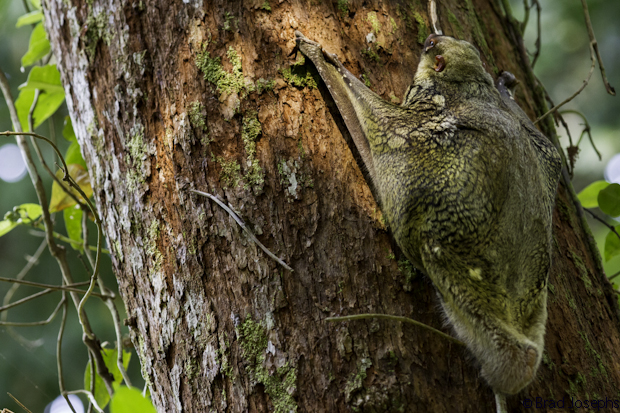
point(217, 324)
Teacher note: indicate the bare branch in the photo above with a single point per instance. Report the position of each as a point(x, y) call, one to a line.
point(32, 261)
point(61, 332)
point(91, 368)
point(70, 287)
point(90, 396)
point(25, 299)
point(36, 135)
point(67, 240)
point(119, 339)
point(586, 130)
point(571, 151)
point(594, 45)
point(526, 17)
point(242, 225)
point(602, 221)
point(19, 403)
point(585, 83)
point(36, 323)
point(538, 33)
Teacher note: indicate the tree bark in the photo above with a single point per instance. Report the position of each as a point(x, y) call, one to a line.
point(217, 324)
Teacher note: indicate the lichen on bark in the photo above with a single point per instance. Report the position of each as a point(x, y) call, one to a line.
point(279, 385)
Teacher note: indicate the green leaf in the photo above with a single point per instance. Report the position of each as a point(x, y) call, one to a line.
point(67, 130)
point(28, 212)
point(612, 244)
point(46, 107)
point(47, 79)
point(29, 18)
point(73, 224)
point(609, 200)
point(130, 400)
point(109, 358)
point(39, 46)
point(589, 195)
point(101, 393)
point(74, 156)
point(6, 226)
point(21, 214)
point(36, 4)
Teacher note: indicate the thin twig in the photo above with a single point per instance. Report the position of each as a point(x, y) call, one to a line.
point(90, 396)
point(242, 225)
point(37, 150)
point(93, 279)
point(61, 332)
point(85, 244)
point(119, 340)
point(19, 403)
point(571, 151)
point(91, 385)
point(70, 287)
point(586, 130)
point(20, 276)
point(37, 92)
point(36, 135)
point(614, 276)
point(396, 318)
point(25, 299)
point(68, 240)
point(560, 119)
point(32, 261)
point(510, 17)
point(538, 33)
point(585, 83)
point(601, 220)
point(526, 16)
point(36, 323)
point(594, 45)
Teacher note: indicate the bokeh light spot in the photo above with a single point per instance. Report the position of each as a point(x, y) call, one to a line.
point(612, 170)
point(12, 166)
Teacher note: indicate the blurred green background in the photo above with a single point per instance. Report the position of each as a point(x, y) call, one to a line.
point(562, 67)
point(29, 373)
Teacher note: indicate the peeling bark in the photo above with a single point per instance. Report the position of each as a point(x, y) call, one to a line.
point(217, 324)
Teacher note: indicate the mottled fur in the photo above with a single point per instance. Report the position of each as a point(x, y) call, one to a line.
point(467, 185)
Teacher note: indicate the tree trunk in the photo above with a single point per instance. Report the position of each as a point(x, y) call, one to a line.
point(217, 324)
